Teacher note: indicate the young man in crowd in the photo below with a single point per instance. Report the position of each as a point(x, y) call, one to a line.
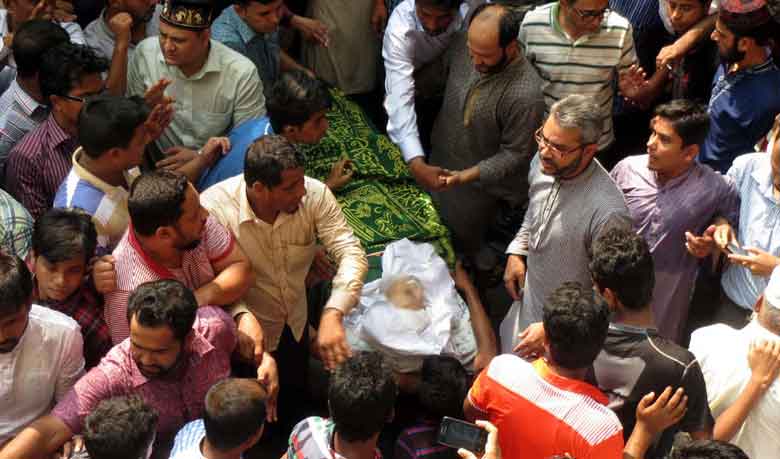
point(417, 35)
point(113, 132)
point(746, 88)
point(41, 355)
point(669, 194)
point(63, 245)
point(277, 214)
point(562, 218)
point(175, 353)
point(361, 397)
point(215, 88)
point(41, 160)
point(233, 419)
point(482, 139)
point(741, 368)
point(120, 428)
point(22, 106)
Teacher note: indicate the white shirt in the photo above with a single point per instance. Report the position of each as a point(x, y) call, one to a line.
point(42, 368)
point(722, 354)
point(406, 48)
point(188, 440)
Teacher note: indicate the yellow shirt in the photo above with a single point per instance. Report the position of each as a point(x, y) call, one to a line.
point(282, 253)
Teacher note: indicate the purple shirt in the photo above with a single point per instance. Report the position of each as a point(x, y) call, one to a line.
point(38, 164)
point(177, 399)
point(662, 214)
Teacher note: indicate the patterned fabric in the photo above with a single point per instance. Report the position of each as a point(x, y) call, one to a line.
point(569, 416)
point(85, 306)
point(38, 164)
point(382, 203)
point(420, 442)
point(16, 226)
point(177, 399)
point(19, 114)
point(312, 438)
point(134, 267)
point(187, 443)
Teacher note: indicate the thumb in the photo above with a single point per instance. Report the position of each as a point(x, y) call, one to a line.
point(465, 454)
point(647, 400)
point(710, 230)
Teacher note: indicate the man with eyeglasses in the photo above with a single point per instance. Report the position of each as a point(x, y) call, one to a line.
point(69, 73)
point(582, 47)
point(572, 201)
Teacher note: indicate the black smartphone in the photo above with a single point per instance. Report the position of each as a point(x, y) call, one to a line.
point(461, 434)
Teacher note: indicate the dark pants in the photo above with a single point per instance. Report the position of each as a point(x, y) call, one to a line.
point(292, 360)
point(710, 305)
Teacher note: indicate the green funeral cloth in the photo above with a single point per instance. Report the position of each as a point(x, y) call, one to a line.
point(382, 202)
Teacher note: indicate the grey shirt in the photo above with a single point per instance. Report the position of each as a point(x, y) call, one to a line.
point(100, 36)
point(564, 217)
point(489, 120)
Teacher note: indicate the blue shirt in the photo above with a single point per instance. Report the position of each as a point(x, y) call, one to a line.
point(232, 163)
point(759, 225)
point(260, 48)
point(742, 108)
point(188, 439)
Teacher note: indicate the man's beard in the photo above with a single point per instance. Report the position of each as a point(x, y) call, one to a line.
point(192, 245)
point(564, 172)
point(497, 67)
point(731, 55)
point(148, 15)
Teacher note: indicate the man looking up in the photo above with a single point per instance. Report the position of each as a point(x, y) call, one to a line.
point(483, 137)
point(563, 218)
point(38, 163)
point(669, 194)
point(417, 34)
point(215, 88)
point(277, 214)
point(176, 351)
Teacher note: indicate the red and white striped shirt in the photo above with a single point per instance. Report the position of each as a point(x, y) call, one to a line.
point(134, 267)
point(540, 414)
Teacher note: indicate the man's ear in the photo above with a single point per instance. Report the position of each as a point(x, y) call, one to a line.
point(690, 152)
point(513, 49)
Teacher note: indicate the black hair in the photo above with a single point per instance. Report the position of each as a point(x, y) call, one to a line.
point(31, 40)
point(247, 2)
point(294, 98)
point(443, 386)
point(441, 4)
point(576, 324)
point(361, 396)
point(16, 284)
point(508, 25)
point(689, 119)
point(234, 412)
point(621, 261)
point(120, 428)
point(708, 449)
point(163, 303)
point(156, 200)
point(62, 234)
point(63, 66)
point(268, 157)
point(761, 34)
point(107, 122)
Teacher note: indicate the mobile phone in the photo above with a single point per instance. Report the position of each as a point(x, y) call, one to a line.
point(732, 247)
point(461, 434)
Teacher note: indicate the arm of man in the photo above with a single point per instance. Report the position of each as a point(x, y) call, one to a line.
point(480, 324)
point(698, 420)
point(477, 401)
point(687, 41)
point(72, 363)
point(121, 24)
point(249, 98)
point(39, 440)
point(340, 242)
point(231, 266)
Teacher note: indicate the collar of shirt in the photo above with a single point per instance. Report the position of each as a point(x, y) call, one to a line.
point(247, 215)
point(57, 136)
point(767, 65)
point(3, 22)
point(158, 269)
point(95, 180)
point(243, 29)
point(195, 347)
point(756, 331)
point(677, 181)
point(12, 356)
point(584, 176)
point(568, 384)
point(28, 104)
point(625, 328)
point(454, 25)
point(762, 176)
point(212, 64)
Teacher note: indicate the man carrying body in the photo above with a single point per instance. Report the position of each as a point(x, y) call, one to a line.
point(214, 87)
point(572, 201)
point(483, 137)
point(669, 194)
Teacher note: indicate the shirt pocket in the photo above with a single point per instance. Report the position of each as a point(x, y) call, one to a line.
point(300, 257)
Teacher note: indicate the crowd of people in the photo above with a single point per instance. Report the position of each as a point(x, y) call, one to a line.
point(180, 264)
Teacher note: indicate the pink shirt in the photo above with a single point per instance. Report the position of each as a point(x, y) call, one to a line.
point(134, 267)
point(179, 398)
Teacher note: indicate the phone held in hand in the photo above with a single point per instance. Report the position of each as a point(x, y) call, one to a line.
point(734, 248)
point(456, 433)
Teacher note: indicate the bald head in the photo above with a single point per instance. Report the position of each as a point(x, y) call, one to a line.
point(492, 37)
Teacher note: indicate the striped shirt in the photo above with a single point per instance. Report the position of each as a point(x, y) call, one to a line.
point(106, 203)
point(38, 164)
point(134, 267)
point(19, 114)
point(16, 227)
point(540, 414)
point(587, 65)
point(188, 440)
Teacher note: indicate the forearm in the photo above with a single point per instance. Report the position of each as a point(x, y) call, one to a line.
point(229, 286)
point(696, 34)
point(480, 324)
point(638, 443)
point(730, 421)
point(37, 441)
point(196, 167)
point(116, 84)
point(287, 63)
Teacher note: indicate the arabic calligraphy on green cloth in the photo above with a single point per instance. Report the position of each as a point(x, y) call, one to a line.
point(382, 203)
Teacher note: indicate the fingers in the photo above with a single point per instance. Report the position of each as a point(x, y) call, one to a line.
point(512, 288)
point(466, 454)
point(270, 410)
